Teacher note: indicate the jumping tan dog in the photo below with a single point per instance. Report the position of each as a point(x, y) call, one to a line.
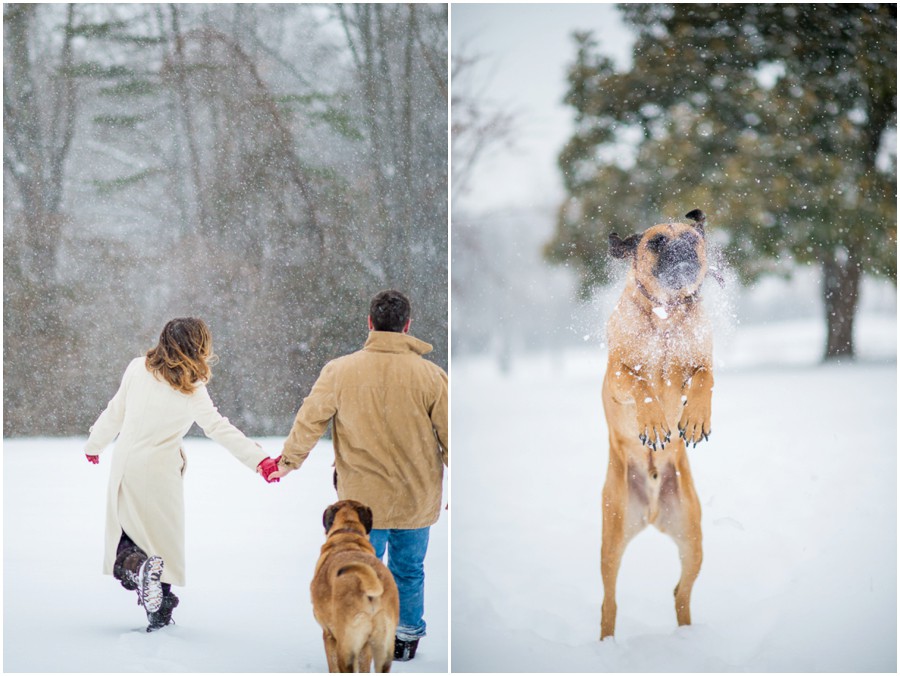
point(659, 378)
point(354, 595)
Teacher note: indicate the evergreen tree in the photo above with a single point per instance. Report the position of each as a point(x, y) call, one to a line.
point(777, 120)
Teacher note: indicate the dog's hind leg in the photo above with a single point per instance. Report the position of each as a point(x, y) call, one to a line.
point(348, 661)
point(382, 653)
point(610, 559)
point(347, 652)
point(353, 654)
point(690, 549)
point(365, 659)
point(330, 651)
point(683, 525)
point(622, 520)
point(613, 545)
point(381, 644)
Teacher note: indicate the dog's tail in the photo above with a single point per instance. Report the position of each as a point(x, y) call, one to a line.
point(367, 577)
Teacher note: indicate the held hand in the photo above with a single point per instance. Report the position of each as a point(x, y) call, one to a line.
point(267, 468)
point(93, 459)
point(280, 472)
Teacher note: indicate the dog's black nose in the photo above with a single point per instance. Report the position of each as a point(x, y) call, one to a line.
point(678, 262)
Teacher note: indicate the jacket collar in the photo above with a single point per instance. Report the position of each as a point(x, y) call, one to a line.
point(388, 341)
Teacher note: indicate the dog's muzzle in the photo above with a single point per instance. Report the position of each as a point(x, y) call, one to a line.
point(678, 264)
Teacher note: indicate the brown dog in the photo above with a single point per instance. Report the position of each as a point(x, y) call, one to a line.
point(659, 378)
point(354, 595)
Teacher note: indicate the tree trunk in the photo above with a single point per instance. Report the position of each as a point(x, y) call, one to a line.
point(840, 288)
point(408, 192)
point(361, 33)
point(190, 134)
point(38, 131)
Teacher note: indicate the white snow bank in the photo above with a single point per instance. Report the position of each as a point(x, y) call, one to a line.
point(251, 551)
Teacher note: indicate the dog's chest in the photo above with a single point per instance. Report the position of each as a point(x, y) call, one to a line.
point(663, 347)
point(664, 354)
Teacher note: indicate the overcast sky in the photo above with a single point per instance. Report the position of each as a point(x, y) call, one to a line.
point(526, 51)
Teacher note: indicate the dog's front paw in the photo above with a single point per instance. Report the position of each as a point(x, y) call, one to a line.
point(694, 425)
point(653, 430)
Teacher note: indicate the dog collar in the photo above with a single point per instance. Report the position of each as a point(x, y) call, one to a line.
point(345, 530)
point(687, 300)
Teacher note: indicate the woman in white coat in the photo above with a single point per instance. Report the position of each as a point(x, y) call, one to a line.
point(161, 396)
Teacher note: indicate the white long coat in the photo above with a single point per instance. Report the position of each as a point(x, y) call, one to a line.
point(145, 498)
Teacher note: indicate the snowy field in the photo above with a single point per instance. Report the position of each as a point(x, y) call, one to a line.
point(799, 492)
point(251, 551)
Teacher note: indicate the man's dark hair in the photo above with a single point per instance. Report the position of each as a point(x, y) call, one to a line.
point(389, 311)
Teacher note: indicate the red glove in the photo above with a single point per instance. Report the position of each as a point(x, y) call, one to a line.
point(93, 459)
point(266, 467)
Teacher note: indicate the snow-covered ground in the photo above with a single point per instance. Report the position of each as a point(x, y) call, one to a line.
point(251, 551)
point(798, 485)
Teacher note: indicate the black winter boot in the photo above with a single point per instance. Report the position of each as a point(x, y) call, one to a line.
point(129, 557)
point(150, 593)
point(163, 616)
point(404, 651)
point(138, 572)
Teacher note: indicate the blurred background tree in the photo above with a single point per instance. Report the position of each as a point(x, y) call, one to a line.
point(42, 76)
point(477, 128)
point(777, 120)
point(266, 167)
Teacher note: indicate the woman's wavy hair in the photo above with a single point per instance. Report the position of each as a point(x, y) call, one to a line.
point(184, 354)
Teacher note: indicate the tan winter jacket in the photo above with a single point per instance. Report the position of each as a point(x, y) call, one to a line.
point(145, 497)
point(389, 407)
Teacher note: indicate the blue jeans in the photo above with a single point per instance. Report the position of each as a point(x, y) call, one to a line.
point(406, 561)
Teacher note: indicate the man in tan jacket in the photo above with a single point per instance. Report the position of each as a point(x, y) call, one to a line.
point(389, 410)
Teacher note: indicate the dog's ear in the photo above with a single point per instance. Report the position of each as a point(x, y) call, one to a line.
point(365, 516)
point(699, 220)
point(623, 248)
point(328, 517)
